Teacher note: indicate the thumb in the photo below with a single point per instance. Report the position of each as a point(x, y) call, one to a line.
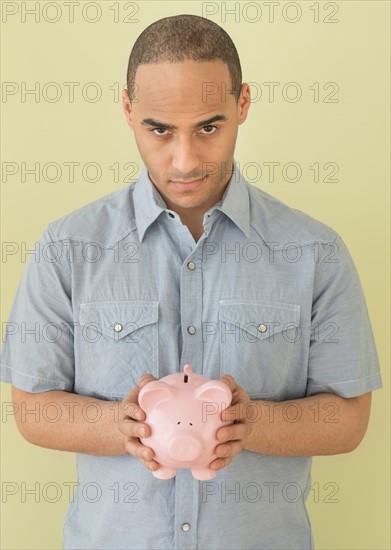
point(145, 379)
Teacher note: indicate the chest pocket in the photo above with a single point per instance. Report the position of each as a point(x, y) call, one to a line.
point(257, 338)
point(120, 341)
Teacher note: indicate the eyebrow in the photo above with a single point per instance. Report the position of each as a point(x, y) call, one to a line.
point(157, 124)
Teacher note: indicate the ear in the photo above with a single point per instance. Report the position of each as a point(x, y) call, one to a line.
point(215, 391)
point(127, 108)
point(244, 102)
point(154, 393)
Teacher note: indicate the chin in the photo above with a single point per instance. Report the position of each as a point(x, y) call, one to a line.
point(189, 203)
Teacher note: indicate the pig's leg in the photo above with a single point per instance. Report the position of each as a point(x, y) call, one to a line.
point(164, 472)
point(203, 473)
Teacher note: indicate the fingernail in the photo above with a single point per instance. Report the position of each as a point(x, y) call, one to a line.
point(223, 450)
point(221, 436)
point(146, 454)
point(141, 431)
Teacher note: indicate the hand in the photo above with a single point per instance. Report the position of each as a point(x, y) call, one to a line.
point(129, 425)
point(234, 435)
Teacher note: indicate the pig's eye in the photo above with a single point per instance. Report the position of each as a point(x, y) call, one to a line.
point(178, 422)
point(190, 423)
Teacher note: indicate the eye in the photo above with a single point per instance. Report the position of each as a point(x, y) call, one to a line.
point(161, 130)
point(210, 126)
point(164, 130)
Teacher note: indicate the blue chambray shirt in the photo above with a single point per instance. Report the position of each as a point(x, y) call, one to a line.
point(274, 299)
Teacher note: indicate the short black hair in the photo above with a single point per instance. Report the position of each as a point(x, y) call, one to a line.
point(184, 37)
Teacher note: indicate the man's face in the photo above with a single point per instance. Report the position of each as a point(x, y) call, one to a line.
point(186, 95)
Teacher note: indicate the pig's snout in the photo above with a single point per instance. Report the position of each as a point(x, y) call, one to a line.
point(185, 448)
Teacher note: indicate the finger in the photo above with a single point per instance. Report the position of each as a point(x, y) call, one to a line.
point(130, 405)
point(229, 449)
point(219, 463)
point(239, 410)
point(134, 428)
point(150, 464)
point(234, 412)
point(145, 379)
point(239, 430)
point(238, 393)
point(144, 453)
point(134, 446)
point(130, 409)
point(229, 380)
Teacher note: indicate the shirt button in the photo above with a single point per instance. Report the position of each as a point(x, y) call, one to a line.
point(185, 526)
point(191, 265)
point(118, 327)
point(191, 330)
point(171, 215)
point(262, 328)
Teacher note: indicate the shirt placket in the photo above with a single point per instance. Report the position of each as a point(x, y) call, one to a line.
point(186, 487)
point(186, 510)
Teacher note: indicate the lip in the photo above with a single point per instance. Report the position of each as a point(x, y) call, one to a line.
point(188, 186)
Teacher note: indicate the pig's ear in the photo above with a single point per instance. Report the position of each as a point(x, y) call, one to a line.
point(216, 391)
point(154, 393)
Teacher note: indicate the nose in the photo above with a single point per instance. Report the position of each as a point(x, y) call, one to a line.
point(185, 448)
point(185, 160)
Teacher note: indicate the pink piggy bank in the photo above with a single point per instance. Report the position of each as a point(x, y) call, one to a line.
point(183, 411)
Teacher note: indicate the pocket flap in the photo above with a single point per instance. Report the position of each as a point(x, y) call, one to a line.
point(118, 318)
point(261, 318)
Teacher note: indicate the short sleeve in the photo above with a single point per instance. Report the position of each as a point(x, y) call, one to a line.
point(342, 356)
point(37, 343)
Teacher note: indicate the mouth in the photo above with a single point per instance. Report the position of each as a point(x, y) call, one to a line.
point(188, 186)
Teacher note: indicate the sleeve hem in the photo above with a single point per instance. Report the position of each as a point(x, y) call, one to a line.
point(30, 383)
point(348, 388)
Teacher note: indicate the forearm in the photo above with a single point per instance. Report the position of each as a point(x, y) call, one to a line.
point(323, 424)
point(70, 422)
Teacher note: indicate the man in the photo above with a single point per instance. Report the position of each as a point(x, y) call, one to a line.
point(191, 264)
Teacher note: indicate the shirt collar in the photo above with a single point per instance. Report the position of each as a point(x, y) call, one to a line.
point(149, 203)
